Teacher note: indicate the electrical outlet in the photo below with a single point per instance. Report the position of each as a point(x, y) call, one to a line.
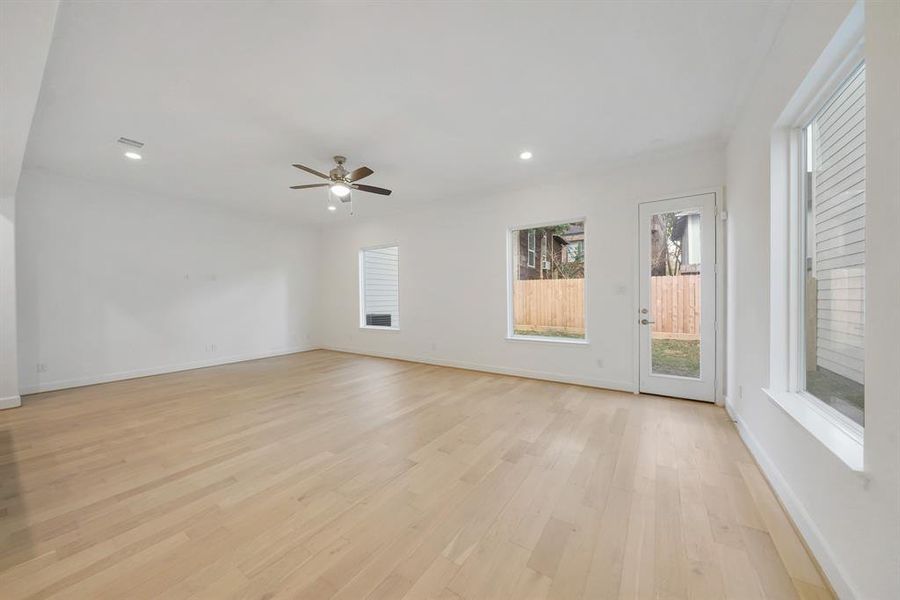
point(41, 368)
point(600, 362)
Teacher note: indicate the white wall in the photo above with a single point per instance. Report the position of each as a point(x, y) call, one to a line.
point(851, 521)
point(453, 267)
point(115, 284)
point(26, 29)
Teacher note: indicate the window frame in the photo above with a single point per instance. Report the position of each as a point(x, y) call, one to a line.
point(362, 287)
point(837, 432)
point(512, 267)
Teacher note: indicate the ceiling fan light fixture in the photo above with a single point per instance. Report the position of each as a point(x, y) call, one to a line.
point(340, 184)
point(340, 190)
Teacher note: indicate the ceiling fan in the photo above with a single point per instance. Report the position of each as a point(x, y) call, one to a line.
point(341, 181)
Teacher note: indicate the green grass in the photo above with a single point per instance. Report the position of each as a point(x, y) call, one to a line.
point(676, 357)
point(549, 333)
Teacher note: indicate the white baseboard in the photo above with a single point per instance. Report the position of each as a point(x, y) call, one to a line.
point(622, 386)
point(795, 509)
point(61, 384)
point(10, 402)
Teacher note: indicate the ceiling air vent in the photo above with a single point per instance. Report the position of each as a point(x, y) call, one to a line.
point(129, 142)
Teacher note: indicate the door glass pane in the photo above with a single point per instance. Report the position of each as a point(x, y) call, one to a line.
point(674, 309)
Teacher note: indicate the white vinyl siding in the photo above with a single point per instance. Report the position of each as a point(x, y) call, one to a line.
point(380, 285)
point(837, 232)
point(691, 242)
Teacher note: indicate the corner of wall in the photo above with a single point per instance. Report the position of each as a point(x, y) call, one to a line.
point(794, 507)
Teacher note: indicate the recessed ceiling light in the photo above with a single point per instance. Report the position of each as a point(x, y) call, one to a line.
point(133, 155)
point(526, 155)
point(332, 207)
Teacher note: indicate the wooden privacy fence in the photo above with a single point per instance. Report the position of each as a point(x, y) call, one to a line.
point(549, 304)
point(558, 304)
point(675, 306)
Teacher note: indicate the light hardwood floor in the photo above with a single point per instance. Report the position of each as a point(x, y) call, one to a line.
point(328, 475)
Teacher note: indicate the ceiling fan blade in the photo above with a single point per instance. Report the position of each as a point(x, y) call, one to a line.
point(370, 188)
point(306, 187)
point(359, 173)
point(312, 171)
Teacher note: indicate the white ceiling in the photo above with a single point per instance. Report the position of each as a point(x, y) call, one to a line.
point(437, 98)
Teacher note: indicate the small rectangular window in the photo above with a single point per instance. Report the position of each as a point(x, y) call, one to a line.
point(545, 259)
point(379, 284)
point(575, 251)
point(531, 248)
point(833, 214)
point(548, 301)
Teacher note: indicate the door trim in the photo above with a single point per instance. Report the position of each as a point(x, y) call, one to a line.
point(719, 266)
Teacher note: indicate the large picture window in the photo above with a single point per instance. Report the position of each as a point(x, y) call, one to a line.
point(547, 291)
point(379, 287)
point(834, 256)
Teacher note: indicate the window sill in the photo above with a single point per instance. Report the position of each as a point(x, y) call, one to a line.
point(377, 328)
point(842, 440)
point(549, 340)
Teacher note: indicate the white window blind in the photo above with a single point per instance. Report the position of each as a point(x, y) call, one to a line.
point(380, 287)
point(836, 232)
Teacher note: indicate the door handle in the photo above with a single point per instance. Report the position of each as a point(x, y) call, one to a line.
point(646, 322)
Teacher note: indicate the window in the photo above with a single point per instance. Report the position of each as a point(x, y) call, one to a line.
point(379, 287)
point(531, 247)
point(833, 239)
point(547, 302)
point(817, 262)
point(574, 251)
point(545, 259)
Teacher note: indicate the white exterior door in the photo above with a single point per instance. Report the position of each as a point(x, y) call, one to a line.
point(677, 314)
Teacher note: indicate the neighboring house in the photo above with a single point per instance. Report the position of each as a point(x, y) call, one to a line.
point(675, 243)
point(690, 243)
point(551, 252)
point(836, 240)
